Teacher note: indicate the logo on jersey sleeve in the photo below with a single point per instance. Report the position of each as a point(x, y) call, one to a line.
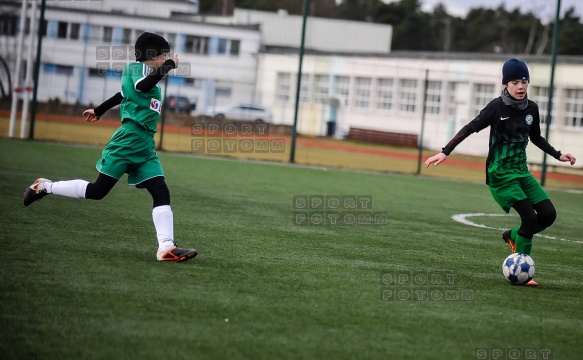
point(156, 105)
point(528, 119)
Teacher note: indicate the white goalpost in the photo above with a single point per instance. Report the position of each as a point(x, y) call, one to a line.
point(25, 87)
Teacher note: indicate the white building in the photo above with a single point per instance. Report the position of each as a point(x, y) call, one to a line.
point(386, 93)
point(350, 75)
point(87, 44)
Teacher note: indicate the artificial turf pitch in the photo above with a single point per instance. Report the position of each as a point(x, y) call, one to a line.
point(79, 279)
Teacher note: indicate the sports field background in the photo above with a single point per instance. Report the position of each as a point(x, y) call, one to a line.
point(318, 151)
point(79, 279)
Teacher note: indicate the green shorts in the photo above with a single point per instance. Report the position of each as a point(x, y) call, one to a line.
point(130, 150)
point(520, 188)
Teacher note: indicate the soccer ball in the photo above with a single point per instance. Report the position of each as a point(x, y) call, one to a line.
point(518, 269)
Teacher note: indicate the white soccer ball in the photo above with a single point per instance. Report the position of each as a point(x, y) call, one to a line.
point(518, 269)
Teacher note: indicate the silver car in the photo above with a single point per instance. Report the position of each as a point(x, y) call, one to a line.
point(244, 112)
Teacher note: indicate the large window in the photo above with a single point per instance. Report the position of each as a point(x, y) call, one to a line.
point(362, 92)
point(322, 89)
point(62, 29)
point(540, 95)
point(8, 24)
point(283, 87)
point(433, 97)
point(573, 108)
point(408, 95)
point(75, 31)
point(234, 50)
point(65, 30)
point(384, 98)
point(196, 44)
point(341, 89)
point(94, 33)
point(107, 34)
point(483, 94)
point(222, 48)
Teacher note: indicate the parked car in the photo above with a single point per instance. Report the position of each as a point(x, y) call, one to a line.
point(179, 104)
point(244, 112)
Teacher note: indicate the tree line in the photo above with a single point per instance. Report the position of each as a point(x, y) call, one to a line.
point(483, 30)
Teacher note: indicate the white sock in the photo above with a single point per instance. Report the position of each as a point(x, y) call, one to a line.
point(70, 188)
point(164, 223)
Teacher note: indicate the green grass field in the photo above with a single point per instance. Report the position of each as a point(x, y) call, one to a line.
point(79, 279)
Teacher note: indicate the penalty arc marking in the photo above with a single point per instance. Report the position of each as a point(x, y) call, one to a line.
point(463, 218)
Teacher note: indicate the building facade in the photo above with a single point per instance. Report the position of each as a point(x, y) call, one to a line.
point(400, 91)
point(350, 76)
point(84, 51)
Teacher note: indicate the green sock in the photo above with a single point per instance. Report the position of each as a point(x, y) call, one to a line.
point(523, 245)
point(514, 232)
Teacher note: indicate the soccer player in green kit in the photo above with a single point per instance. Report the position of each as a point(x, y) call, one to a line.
point(513, 119)
point(131, 147)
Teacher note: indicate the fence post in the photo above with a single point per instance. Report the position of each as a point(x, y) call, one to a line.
point(424, 109)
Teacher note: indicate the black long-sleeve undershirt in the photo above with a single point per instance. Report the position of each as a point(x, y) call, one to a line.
point(457, 139)
point(108, 104)
point(544, 145)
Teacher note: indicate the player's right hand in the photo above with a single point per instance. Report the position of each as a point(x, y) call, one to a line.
point(90, 115)
point(437, 159)
point(175, 58)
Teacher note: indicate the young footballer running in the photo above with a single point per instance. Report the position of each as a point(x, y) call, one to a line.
point(131, 147)
point(513, 119)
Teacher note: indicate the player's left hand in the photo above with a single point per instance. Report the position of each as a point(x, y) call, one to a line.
point(90, 115)
point(568, 157)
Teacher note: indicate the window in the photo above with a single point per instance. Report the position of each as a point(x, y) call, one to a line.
point(384, 99)
point(408, 95)
point(58, 69)
point(94, 32)
point(126, 36)
point(540, 95)
point(433, 104)
point(8, 24)
point(196, 83)
point(62, 30)
point(75, 31)
point(107, 34)
point(283, 87)
point(222, 91)
point(362, 92)
point(573, 108)
point(222, 48)
point(341, 89)
point(235, 44)
point(100, 72)
point(483, 94)
point(27, 26)
point(305, 88)
point(322, 90)
point(196, 44)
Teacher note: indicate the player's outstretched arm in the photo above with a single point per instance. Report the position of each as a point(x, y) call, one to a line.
point(436, 159)
point(568, 157)
point(90, 116)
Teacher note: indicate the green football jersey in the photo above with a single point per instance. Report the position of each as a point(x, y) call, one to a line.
point(143, 108)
